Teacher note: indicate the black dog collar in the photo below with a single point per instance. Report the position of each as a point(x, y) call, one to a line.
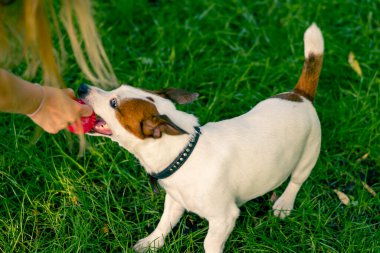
point(177, 163)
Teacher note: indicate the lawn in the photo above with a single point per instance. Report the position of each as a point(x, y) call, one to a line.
point(234, 54)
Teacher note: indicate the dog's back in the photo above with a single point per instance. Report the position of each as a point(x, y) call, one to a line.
point(264, 146)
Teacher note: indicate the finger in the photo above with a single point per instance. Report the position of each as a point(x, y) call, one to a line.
point(45, 125)
point(78, 126)
point(85, 110)
point(61, 126)
point(51, 130)
point(70, 92)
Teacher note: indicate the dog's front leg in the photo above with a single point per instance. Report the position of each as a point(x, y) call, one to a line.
point(220, 228)
point(172, 213)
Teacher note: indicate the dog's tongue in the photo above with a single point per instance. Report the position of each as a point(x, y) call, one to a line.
point(102, 127)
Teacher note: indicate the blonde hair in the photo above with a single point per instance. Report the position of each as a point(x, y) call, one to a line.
point(25, 24)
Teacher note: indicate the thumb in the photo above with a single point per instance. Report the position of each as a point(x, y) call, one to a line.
point(85, 110)
point(70, 92)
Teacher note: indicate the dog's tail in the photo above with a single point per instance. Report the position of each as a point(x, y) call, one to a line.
point(314, 47)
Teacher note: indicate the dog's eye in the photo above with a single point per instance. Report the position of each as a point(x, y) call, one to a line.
point(113, 103)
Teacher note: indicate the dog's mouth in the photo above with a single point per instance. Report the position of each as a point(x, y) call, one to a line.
point(101, 127)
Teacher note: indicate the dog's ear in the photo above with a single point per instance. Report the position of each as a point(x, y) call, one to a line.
point(131, 113)
point(177, 95)
point(158, 124)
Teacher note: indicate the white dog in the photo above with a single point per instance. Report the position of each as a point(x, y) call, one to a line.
point(214, 169)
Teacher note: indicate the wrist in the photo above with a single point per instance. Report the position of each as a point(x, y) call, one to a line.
point(39, 102)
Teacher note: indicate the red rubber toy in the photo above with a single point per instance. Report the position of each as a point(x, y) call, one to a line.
point(87, 122)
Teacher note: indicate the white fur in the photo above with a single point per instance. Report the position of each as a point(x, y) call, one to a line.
point(234, 161)
point(313, 40)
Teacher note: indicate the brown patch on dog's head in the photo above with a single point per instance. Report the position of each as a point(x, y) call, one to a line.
point(289, 96)
point(142, 119)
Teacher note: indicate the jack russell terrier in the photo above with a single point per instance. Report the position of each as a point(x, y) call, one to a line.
point(214, 169)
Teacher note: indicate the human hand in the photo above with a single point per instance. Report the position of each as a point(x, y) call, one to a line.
point(58, 110)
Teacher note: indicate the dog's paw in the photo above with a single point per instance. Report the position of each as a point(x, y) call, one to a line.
point(150, 242)
point(282, 207)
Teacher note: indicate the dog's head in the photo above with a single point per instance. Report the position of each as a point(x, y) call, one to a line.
point(128, 113)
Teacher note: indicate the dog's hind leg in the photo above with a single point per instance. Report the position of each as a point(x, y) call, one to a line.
point(306, 87)
point(170, 217)
point(220, 227)
point(284, 205)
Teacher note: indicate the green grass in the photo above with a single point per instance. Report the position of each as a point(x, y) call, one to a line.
point(234, 53)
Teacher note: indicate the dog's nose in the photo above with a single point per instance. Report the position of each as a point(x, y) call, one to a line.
point(83, 90)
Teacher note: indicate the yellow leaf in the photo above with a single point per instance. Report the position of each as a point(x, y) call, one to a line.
point(354, 64)
point(365, 156)
point(369, 189)
point(342, 197)
point(105, 228)
point(74, 200)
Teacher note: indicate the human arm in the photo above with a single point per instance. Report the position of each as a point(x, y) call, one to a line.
point(51, 108)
